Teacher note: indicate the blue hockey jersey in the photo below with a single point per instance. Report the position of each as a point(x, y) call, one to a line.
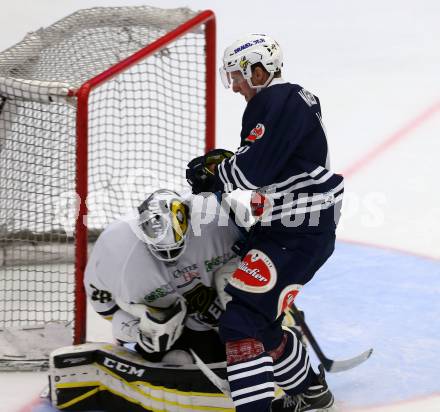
point(284, 156)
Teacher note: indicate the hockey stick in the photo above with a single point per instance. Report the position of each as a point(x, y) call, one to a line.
point(330, 365)
point(220, 383)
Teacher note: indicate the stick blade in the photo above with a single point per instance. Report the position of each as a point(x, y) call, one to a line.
point(334, 366)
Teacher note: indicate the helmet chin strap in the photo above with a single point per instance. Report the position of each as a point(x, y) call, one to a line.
point(260, 86)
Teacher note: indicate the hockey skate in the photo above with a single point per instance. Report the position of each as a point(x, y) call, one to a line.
point(315, 397)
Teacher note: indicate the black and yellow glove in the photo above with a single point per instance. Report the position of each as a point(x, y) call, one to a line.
point(201, 170)
point(216, 156)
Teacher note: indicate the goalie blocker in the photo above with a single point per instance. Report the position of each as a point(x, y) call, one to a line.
point(102, 376)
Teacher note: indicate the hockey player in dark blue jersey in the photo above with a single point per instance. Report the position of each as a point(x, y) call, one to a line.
point(283, 159)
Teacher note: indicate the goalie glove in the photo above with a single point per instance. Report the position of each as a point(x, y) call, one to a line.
point(159, 330)
point(200, 171)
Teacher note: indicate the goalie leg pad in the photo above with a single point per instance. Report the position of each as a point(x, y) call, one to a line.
point(112, 378)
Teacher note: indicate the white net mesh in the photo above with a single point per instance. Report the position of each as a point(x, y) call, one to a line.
point(145, 124)
point(87, 42)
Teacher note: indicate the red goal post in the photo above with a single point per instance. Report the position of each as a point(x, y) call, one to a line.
point(135, 122)
point(205, 17)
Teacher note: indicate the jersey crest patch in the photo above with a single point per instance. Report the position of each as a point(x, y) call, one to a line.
point(203, 303)
point(256, 273)
point(287, 297)
point(256, 133)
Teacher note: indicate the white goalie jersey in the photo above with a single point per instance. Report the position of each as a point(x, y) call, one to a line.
point(121, 268)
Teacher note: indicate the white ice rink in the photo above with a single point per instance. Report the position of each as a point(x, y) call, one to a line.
point(375, 66)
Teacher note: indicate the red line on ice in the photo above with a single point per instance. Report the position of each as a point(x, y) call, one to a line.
point(392, 140)
point(30, 406)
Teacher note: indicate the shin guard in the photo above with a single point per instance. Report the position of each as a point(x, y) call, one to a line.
point(292, 370)
point(250, 375)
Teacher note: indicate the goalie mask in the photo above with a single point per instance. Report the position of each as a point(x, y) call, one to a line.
point(164, 220)
point(242, 54)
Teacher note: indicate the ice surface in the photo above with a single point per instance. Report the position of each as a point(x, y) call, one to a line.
point(366, 297)
point(370, 297)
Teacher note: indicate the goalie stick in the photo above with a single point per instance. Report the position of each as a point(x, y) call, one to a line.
point(220, 383)
point(330, 365)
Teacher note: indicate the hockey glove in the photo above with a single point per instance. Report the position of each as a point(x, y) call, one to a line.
point(158, 331)
point(200, 171)
point(200, 178)
point(216, 156)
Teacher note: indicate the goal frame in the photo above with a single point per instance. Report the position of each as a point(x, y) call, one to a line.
point(206, 17)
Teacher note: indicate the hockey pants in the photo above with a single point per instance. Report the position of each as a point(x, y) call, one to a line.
point(259, 351)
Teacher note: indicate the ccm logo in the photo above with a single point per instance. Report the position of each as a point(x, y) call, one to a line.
point(123, 367)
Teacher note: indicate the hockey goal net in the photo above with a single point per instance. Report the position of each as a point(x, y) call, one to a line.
point(96, 111)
